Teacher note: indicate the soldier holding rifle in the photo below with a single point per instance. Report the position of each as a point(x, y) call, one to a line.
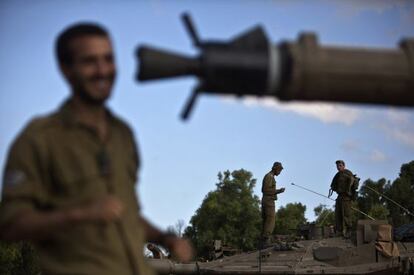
point(344, 184)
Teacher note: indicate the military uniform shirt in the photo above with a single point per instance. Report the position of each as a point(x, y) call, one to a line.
point(269, 187)
point(341, 184)
point(58, 163)
point(268, 205)
point(342, 181)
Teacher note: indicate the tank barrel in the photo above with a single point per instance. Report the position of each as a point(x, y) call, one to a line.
point(158, 64)
point(164, 266)
point(358, 75)
point(303, 70)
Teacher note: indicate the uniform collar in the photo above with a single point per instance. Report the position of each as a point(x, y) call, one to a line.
point(68, 117)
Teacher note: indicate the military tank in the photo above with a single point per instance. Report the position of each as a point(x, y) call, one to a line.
point(369, 251)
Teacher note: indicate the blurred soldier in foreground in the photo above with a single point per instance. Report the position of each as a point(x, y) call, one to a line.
point(69, 181)
point(268, 202)
point(344, 184)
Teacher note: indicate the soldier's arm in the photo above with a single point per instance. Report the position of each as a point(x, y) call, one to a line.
point(334, 182)
point(32, 224)
point(180, 248)
point(333, 185)
point(281, 190)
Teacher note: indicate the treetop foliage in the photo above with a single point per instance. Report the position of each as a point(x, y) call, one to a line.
point(401, 191)
point(289, 217)
point(229, 213)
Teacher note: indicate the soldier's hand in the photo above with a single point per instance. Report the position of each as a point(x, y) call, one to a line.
point(105, 209)
point(181, 249)
point(282, 190)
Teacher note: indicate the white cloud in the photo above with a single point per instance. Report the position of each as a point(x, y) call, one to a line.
point(395, 116)
point(351, 145)
point(351, 9)
point(325, 112)
point(408, 15)
point(355, 7)
point(394, 123)
point(377, 156)
point(399, 126)
point(403, 136)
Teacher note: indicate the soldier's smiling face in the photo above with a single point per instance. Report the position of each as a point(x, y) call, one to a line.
point(92, 70)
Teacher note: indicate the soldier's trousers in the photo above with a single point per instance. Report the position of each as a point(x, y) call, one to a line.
point(268, 218)
point(343, 213)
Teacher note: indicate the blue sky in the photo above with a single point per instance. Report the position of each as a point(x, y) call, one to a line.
point(181, 160)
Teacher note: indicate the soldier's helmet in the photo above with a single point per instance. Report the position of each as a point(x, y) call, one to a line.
point(277, 165)
point(339, 161)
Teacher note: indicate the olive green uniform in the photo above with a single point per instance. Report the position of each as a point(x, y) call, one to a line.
point(341, 184)
point(58, 163)
point(268, 205)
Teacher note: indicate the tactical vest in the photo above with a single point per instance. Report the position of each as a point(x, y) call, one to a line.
point(344, 183)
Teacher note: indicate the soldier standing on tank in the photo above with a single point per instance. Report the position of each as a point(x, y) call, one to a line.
point(268, 202)
point(342, 184)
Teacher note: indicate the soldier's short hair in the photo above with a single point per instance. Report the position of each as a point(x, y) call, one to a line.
point(63, 49)
point(339, 161)
point(277, 165)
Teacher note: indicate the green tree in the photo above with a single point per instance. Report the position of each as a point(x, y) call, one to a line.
point(379, 212)
point(230, 213)
point(177, 229)
point(324, 215)
point(368, 198)
point(289, 217)
point(402, 192)
point(18, 259)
